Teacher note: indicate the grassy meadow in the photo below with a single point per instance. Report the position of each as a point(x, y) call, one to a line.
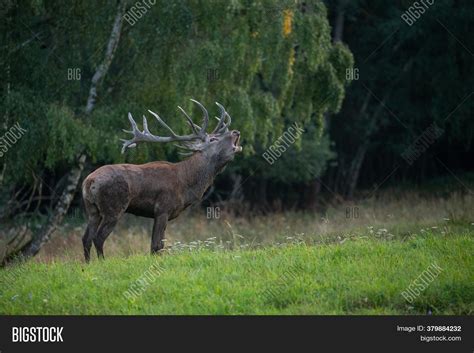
point(360, 276)
point(347, 259)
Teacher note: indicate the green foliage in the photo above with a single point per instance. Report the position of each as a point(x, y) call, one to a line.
point(268, 62)
point(29, 151)
point(304, 164)
point(65, 134)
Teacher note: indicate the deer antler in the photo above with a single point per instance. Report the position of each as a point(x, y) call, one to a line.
point(205, 120)
point(199, 133)
point(222, 126)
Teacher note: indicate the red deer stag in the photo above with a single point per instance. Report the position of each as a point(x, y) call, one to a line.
point(158, 190)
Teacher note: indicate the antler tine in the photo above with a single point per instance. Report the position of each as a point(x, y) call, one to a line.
point(130, 143)
point(127, 144)
point(222, 126)
point(205, 116)
point(190, 121)
point(181, 146)
point(221, 119)
point(145, 126)
point(163, 123)
point(132, 122)
point(229, 120)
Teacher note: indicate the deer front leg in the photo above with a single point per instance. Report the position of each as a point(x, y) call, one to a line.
point(159, 227)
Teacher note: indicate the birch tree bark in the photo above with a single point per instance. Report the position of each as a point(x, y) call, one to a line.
point(44, 234)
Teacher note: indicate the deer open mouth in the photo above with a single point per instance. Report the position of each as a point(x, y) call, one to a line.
point(237, 147)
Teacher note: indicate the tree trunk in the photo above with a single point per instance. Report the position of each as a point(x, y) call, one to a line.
point(339, 22)
point(44, 234)
point(109, 55)
point(354, 170)
point(262, 193)
point(236, 195)
point(312, 190)
point(60, 210)
point(372, 127)
point(338, 35)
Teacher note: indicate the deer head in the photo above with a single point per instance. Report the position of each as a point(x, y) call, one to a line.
point(219, 146)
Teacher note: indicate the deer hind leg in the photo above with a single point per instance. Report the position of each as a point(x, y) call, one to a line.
point(159, 227)
point(93, 221)
point(105, 228)
point(111, 212)
point(112, 203)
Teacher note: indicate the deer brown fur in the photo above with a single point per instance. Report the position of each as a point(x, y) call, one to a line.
point(158, 190)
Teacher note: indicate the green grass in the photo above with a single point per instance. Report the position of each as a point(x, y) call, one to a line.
point(363, 275)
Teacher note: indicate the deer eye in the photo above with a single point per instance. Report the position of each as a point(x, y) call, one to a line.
point(213, 139)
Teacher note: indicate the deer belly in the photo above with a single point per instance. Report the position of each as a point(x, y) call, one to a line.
point(142, 209)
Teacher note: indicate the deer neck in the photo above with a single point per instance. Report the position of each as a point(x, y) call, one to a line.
point(196, 175)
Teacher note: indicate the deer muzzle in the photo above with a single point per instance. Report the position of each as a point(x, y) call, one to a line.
point(236, 135)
